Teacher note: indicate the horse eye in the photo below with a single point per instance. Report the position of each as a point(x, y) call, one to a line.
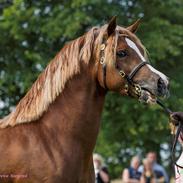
point(121, 53)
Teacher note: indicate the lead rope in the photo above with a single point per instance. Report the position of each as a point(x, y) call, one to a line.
point(176, 136)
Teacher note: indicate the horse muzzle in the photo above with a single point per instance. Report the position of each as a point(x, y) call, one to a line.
point(162, 88)
point(150, 92)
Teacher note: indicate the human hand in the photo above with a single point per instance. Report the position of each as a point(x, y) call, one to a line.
point(175, 117)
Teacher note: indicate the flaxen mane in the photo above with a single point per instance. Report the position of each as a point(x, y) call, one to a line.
point(52, 81)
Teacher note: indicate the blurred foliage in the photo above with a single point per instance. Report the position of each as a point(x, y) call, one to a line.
point(33, 31)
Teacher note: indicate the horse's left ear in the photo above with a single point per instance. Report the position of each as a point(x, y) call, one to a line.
point(111, 26)
point(133, 28)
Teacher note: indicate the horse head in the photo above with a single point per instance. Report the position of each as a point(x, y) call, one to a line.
point(124, 67)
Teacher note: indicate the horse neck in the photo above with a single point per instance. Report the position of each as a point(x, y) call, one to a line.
point(80, 103)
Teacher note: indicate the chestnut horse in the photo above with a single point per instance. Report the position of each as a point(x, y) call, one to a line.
point(51, 134)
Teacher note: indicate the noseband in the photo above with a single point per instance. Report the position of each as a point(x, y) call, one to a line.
point(130, 88)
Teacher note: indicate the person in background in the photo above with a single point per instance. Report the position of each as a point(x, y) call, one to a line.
point(101, 172)
point(148, 175)
point(159, 171)
point(131, 174)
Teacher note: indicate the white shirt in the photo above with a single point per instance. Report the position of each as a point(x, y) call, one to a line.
point(179, 171)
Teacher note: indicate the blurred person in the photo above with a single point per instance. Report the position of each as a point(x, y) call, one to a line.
point(159, 170)
point(148, 175)
point(131, 174)
point(175, 118)
point(101, 172)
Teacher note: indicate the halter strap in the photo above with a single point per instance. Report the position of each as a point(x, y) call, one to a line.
point(104, 67)
point(102, 61)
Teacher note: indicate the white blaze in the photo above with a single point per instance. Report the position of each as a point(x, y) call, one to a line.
point(132, 45)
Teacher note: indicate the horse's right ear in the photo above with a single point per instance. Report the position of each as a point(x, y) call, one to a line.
point(111, 26)
point(133, 28)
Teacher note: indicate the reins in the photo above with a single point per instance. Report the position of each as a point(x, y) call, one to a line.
point(176, 135)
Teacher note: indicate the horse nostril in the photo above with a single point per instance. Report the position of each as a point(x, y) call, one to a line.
point(161, 86)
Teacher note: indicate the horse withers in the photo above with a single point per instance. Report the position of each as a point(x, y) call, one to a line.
point(51, 134)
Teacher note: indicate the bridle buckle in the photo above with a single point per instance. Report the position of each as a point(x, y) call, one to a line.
point(138, 89)
point(122, 73)
point(102, 47)
point(126, 88)
point(102, 60)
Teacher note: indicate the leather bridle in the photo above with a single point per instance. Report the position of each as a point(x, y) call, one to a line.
point(130, 88)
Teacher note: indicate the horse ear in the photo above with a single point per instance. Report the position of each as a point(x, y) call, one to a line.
point(111, 26)
point(133, 28)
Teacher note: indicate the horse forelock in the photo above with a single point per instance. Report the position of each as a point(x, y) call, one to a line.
point(51, 81)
